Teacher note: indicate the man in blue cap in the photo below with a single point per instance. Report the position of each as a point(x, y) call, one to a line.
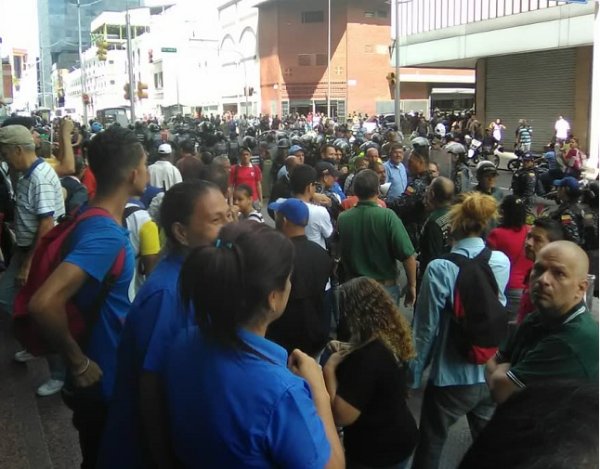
point(305, 321)
point(570, 212)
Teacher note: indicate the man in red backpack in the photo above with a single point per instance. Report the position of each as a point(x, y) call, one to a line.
point(456, 385)
point(93, 247)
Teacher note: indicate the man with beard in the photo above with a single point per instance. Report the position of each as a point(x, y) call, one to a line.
point(560, 340)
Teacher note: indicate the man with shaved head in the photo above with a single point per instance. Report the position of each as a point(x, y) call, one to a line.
point(434, 240)
point(559, 341)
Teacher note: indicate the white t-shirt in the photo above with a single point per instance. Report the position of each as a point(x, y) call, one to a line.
point(319, 226)
point(562, 128)
point(163, 174)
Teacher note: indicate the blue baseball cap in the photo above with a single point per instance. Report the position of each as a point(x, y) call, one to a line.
point(294, 149)
point(568, 182)
point(294, 210)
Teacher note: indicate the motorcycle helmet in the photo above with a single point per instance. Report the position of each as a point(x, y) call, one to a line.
point(455, 148)
point(249, 142)
point(440, 130)
point(485, 167)
point(420, 146)
point(283, 143)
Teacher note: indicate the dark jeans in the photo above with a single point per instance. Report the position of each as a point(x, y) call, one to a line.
point(442, 407)
point(89, 419)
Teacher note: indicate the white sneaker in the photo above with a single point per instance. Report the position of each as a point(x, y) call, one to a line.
point(23, 356)
point(52, 386)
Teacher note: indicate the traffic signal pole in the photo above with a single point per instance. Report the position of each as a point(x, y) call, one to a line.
point(130, 67)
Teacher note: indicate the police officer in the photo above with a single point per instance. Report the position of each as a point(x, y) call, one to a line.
point(486, 174)
point(524, 183)
point(570, 212)
point(410, 206)
point(461, 174)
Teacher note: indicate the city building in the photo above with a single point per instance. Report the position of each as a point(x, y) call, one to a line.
point(532, 58)
point(59, 33)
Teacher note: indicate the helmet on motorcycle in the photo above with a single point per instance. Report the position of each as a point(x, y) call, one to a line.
point(455, 148)
point(421, 146)
point(484, 168)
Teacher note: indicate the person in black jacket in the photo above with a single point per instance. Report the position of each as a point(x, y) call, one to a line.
point(304, 324)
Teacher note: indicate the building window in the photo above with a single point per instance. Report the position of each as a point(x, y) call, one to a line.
point(304, 60)
point(110, 62)
point(158, 80)
point(321, 59)
point(369, 14)
point(313, 16)
point(112, 82)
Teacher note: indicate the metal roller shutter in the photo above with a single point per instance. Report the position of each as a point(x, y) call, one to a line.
point(537, 87)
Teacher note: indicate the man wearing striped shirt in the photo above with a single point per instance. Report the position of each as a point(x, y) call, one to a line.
point(39, 203)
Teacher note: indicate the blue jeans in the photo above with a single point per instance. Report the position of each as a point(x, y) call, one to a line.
point(394, 292)
point(8, 289)
point(442, 407)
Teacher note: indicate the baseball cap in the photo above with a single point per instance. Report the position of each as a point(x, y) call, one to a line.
point(294, 210)
point(568, 182)
point(165, 148)
point(15, 135)
point(294, 149)
point(324, 168)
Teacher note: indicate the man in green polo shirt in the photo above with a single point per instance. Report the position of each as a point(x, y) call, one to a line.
point(373, 238)
point(560, 339)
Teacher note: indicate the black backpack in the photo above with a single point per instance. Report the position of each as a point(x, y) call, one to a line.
point(479, 321)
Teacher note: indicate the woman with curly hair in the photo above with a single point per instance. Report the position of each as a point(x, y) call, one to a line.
point(366, 379)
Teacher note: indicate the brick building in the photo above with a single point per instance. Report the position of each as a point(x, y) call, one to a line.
point(292, 50)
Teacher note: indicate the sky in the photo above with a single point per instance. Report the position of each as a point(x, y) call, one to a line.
point(18, 25)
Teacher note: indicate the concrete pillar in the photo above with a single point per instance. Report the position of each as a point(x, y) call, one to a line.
point(583, 87)
point(594, 133)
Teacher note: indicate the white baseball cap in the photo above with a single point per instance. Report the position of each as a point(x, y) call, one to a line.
point(165, 148)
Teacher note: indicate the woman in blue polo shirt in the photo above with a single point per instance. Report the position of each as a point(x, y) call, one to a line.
point(234, 398)
point(192, 213)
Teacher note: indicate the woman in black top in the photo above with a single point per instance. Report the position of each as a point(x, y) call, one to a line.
point(366, 379)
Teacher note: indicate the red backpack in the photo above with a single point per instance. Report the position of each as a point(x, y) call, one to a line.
point(49, 253)
point(479, 321)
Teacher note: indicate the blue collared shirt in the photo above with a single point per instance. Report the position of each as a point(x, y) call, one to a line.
point(431, 321)
point(396, 175)
point(232, 408)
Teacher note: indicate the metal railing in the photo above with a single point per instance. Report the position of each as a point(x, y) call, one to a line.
point(421, 16)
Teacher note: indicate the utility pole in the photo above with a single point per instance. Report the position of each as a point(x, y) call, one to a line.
point(81, 65)
point(328, 58)
point(130, 66)
point(397, 65)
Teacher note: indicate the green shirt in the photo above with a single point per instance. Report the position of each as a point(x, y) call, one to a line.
point(567, 349)
point(371, 239)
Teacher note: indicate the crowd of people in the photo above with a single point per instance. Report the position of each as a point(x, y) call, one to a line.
point(183, 331)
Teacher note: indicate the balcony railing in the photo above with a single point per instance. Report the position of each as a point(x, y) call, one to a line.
point(420, 16)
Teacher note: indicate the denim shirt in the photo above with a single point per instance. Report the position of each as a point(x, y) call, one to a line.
point(396, 175)
point(431, 321)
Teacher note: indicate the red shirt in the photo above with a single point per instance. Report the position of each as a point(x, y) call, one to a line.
point(351, 201)
point(89, 181)
point(249, 175)
point(511, 242)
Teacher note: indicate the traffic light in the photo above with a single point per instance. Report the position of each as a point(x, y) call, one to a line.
point(102, 46)
point(391, 78)
point(127, 89)
point(141, 90)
